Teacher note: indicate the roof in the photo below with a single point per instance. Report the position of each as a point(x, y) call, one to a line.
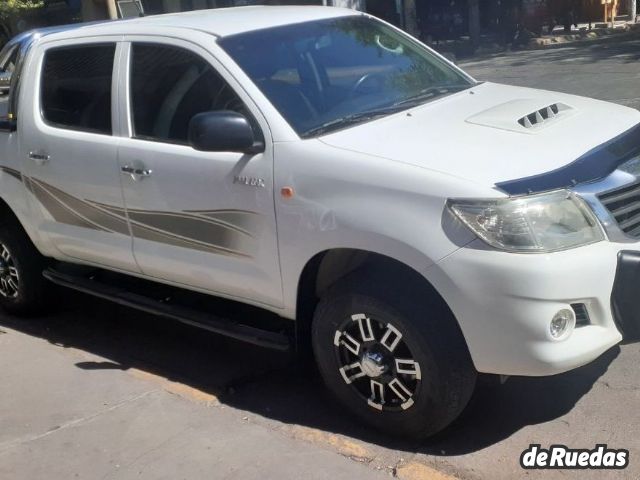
point(229, 21)
point(29, 36)
point(39, 32)
point(220, 21)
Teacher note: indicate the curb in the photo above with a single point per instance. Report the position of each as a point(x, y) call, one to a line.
point(420, 471)
point(604, 34)
point(547, 43)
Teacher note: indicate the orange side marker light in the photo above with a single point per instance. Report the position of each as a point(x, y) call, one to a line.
point(287, 192)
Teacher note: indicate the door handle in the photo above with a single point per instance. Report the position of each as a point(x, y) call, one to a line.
point(136, 173)
point(39, 158)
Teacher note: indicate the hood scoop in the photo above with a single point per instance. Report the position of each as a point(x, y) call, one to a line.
point(522, 115)
point(539, 117)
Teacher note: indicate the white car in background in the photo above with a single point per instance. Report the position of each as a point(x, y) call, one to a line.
point(413, 226)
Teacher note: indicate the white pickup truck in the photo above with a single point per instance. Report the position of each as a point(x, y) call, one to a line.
point(409, 225)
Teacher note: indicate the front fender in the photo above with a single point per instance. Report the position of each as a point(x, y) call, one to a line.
point(351, 200)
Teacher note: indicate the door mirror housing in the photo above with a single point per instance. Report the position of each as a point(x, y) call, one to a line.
point(5, 83)
point(223, 131)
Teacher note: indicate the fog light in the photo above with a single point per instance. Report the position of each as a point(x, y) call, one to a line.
point(562, 324)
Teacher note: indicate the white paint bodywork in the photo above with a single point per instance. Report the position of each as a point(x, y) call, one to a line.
point(461, 135)
point(379, 187)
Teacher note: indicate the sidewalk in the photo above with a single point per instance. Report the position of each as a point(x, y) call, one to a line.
point(462, 47)
point(58, 422)
point(583, 34)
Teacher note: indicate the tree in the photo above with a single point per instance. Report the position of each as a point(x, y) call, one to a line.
point(632, 10)
point(411, 17)
point(474, 21)
point(10, 12)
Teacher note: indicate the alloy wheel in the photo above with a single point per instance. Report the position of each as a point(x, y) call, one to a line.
point(377, 363)
point(9, 277)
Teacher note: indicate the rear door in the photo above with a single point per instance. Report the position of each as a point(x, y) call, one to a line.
point(67, 137)
point(200, 219)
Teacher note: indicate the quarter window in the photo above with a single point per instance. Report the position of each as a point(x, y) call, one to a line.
point(169, 86)
point(76, 87)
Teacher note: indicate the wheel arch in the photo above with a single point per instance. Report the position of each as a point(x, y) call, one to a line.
point(9, 214)
point(16, 206)
point(329, 266)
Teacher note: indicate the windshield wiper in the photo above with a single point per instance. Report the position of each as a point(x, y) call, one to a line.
point(351, 119)
point(430, 93)
point(398, 106)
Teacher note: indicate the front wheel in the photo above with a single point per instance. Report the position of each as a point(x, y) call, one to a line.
point(395, 360)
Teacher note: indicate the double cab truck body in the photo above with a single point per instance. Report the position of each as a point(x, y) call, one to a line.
point(415, 225)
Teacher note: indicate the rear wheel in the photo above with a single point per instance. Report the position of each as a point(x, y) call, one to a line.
point(394, 358)
point(23, 289)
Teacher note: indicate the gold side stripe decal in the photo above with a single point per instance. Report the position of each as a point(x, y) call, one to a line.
point(223, 232)
point(184, 216)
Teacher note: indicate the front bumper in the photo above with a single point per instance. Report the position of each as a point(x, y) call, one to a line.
point(625, 299)
point(504, 303)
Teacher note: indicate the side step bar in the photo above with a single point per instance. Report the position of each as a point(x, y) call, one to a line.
point(189, 316)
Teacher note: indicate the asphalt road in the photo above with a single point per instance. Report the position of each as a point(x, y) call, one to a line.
point(607, 70)
point(97, 390)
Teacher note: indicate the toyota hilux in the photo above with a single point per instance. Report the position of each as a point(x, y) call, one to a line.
point(346, 190)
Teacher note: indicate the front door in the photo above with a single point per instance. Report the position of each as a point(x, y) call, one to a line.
point(69, 150)
point(199, 219)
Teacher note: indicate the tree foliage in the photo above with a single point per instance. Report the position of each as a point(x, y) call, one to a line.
point(11, 11)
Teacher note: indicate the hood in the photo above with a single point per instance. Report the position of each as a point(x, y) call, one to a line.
point(491, 133)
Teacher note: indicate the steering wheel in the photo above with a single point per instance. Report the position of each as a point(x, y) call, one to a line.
point(364, 79)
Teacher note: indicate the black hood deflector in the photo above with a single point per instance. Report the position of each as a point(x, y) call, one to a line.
point(594, 165)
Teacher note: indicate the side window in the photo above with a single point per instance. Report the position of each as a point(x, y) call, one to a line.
point(76, 87)
point(170, 85)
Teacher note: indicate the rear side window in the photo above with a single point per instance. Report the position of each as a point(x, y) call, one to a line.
point(169, 86)
point(76, 87)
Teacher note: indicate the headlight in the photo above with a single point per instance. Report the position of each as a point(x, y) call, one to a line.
point(538, 223)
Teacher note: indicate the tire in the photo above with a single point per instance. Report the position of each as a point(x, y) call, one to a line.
point(23, 289)
point(437, 385)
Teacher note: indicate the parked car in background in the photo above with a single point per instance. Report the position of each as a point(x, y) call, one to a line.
point(347, 189)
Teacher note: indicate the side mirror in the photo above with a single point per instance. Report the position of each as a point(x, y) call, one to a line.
point(223, 131)
point(5, 82)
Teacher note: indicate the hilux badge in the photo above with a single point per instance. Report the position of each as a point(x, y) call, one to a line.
point(249, 181)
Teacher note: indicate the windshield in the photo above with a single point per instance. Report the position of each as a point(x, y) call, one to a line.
point(328, 74)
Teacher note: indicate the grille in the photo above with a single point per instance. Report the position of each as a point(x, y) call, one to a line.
point(582, 314)
point(540, 116)
point(624, 204)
